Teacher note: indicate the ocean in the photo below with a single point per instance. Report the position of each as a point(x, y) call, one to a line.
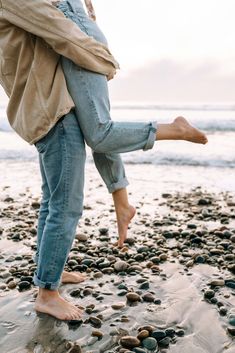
point(216, 159)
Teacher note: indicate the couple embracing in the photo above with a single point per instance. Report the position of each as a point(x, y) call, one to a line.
point(54, 66)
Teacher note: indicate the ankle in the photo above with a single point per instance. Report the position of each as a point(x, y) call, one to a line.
point(46, 294)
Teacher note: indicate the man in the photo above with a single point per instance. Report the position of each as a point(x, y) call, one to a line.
point(33, 35)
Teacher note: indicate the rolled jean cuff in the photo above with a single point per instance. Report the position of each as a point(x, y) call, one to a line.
point(45, 285)
point(121, 184)
point(152, 136)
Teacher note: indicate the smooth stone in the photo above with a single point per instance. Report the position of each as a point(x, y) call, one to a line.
point(118, 306)
point(24, 285)
point(158, 334)
point(98, 274)
point(200, 259)
point(180, 333)
point(230, 283)
point(129, 342)
point(121, 265)
point(95, 321)
point(148, 328)
point(155, 259)
point(164, 342)
point(133, 297)
point(231, 331)
point(216, 251)
point(122, 293)
point(217, 282)
point(82, 237)
point(170, 332)
point(157, 301)
point(12, 284)
point(209, 294)
point(103, 231)
point(150, 343)
point(232, 320)
point(122, 286)
point(163, 257)
point(130, 241)
point(143, 334)
point(148, 297)
point(75, 293)
point(143, 249)
point(97, 333)
point(134, 268)
point(232, 238)
point(232, 268)
point(223, 311)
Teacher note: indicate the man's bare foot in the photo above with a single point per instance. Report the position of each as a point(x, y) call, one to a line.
point(73, 277)
point(124, 216)
point(188, 132)
point(50, 302)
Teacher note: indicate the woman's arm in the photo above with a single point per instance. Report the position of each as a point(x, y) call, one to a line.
point(42, 19)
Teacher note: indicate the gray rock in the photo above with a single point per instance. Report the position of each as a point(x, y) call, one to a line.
point(150, 343)
point(121, 266)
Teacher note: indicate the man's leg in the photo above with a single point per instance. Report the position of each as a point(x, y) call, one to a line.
point(62, 154)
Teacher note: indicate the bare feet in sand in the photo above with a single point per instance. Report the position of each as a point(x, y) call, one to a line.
point(180, 129)
point(73, 277)
point(124, 216)
point(50, 302)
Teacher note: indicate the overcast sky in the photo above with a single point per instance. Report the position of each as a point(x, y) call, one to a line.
point(171, 50)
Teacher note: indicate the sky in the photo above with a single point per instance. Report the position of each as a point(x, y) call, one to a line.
point(171, 50)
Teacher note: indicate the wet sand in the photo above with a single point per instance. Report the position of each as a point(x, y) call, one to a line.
point(172, 285)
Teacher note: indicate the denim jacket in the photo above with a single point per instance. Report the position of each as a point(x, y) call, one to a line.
point(33, 35)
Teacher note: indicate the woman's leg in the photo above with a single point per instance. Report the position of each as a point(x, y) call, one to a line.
point(62, 155)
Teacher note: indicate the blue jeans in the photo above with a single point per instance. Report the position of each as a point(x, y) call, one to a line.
point(62, 157)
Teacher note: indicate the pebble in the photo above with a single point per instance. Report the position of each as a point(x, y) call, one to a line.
point(24, 285)
point(97, 333)
point(118, 306)
point(129, 342)
point(95, 321)
point(164, 342)
point(158, 334)
point(150, 343)
point(133, 297)
point(148, 297)
point(12, 284)
point(82, 237)
point(217, 282)
point(231, 331)
point(143, 334)
point(209, 294)
point(121, 265)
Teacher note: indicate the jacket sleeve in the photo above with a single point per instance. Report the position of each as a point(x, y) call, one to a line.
point(42, 19)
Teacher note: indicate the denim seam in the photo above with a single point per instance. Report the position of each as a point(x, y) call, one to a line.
point(52, 266)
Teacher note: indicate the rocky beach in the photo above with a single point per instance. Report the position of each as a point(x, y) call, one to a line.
point(171, 288)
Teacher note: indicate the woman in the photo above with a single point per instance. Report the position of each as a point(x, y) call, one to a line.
point(90, 95)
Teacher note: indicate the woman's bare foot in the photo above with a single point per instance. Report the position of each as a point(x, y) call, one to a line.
point(124, 216)
point(180, 129)
point(50, 302)
point(73, 277)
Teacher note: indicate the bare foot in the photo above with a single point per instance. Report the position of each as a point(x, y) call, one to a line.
point(72, 277)
point(188, 132)
point(50, 302)
point(124, 216)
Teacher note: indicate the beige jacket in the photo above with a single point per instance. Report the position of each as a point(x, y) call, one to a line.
point(33, 35)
